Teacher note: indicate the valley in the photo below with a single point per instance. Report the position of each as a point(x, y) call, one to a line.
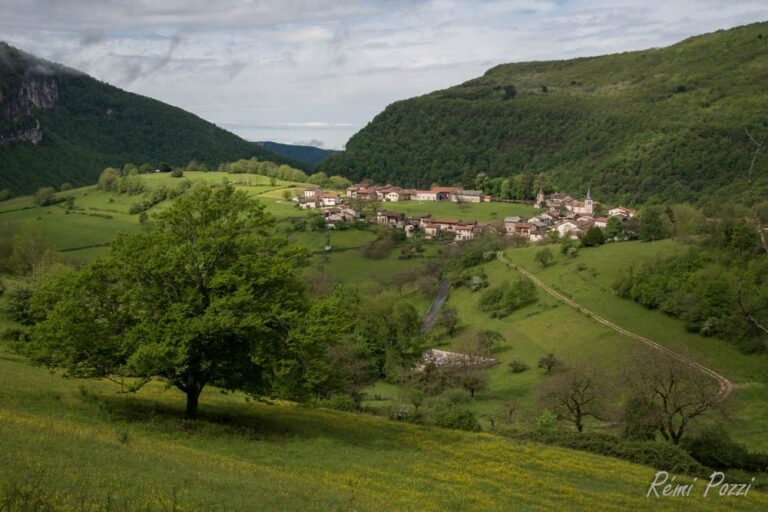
point(544, 288)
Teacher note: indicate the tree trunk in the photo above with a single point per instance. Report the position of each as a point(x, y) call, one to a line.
point(193, 395)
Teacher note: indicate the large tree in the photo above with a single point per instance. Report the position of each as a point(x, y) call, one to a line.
point(207, 297)
point(670, 394)
point(575, 395)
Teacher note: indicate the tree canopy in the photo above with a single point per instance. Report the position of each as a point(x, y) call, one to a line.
point(210, 296)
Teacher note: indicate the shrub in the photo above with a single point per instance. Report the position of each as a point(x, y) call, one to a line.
point(715, 449)
point(177, 173)
point(544, 257)
point(339, 403)
point(593, 237)
point(517, 366)
point(45, 196)
point(657, 454)
point(506, 298)
point(18, 306)
point(458, 418)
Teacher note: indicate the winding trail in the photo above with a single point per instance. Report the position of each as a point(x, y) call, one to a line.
point(442, 293)
point(726, 387)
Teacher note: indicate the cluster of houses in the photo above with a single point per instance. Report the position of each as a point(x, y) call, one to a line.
point(397, 194)
point(432, 227)
point(569, 217)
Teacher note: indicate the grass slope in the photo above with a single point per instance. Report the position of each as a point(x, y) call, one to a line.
point(93, 125)
point(483, 212)
point(79, 446)
point(665, 123)
point(588, 279)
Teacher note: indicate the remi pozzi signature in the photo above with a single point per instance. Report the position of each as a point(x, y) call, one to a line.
point(664, 486)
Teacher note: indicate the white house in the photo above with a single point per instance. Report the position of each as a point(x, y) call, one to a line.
point(621, 212)
point(566, 227)
point(467, 196)
point(397, 195)
point(329, 199)
point(425, 195)
point(309, 203)
point(311, 192)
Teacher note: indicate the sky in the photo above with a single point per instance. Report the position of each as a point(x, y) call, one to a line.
point(317, 71)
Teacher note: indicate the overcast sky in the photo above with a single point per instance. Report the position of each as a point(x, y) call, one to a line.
point(316, 71)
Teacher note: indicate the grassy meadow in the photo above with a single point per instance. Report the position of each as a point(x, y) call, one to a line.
point(588, 278)
point(78, 445)
point(482, 212)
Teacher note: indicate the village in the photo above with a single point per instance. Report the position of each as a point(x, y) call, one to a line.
point(560, 215)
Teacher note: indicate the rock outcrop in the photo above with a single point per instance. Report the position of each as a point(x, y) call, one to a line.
point(18, 108)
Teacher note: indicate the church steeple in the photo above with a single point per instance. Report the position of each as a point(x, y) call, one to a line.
point(589, 193)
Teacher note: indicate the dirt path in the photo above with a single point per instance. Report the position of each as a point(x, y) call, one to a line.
point(726, 386)
point(442, 293)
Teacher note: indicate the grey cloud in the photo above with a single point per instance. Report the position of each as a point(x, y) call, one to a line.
point(312, 142)
point(91, 38)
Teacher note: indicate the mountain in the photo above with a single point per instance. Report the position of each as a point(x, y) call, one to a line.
point(663, 124)
point(60, 125)
point(310, 155)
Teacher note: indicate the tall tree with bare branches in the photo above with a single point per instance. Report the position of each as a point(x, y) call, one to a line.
point(674, 395)
point(575, 395)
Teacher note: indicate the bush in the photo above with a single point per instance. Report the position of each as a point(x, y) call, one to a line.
point(715, 449)
point(339, 403)
point(506, 298)
point(657, 454)
point(13, 335)
point(544, 257)
point(457, 418)
point(593, 237)
point(45, 196)
point(473, 278)
point(517, 366)
point(177, 173)
point(378, 249)
point(18, 307)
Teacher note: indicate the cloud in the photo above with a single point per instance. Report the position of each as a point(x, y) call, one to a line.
point(317, 70)
point(312, 142)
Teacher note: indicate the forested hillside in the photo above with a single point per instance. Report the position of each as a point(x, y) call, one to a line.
point(663, 123)
point(59, 125)
point(309, 155)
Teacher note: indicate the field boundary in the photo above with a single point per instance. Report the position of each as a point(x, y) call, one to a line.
point(726, 387)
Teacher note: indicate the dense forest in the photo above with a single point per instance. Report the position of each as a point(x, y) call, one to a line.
point(88, 125)
point(662, 124)
point(719, 287)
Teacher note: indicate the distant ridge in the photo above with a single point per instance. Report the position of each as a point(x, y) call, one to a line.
point(60, 125)
point(310, 155)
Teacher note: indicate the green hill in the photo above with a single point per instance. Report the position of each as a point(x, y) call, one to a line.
point(59, 125)
point(78, 445)
point(666, 123)
point(310, 155)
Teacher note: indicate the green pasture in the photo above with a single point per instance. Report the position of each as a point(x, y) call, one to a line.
point(482, 212)
point(78, 445)
point(588, 278)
